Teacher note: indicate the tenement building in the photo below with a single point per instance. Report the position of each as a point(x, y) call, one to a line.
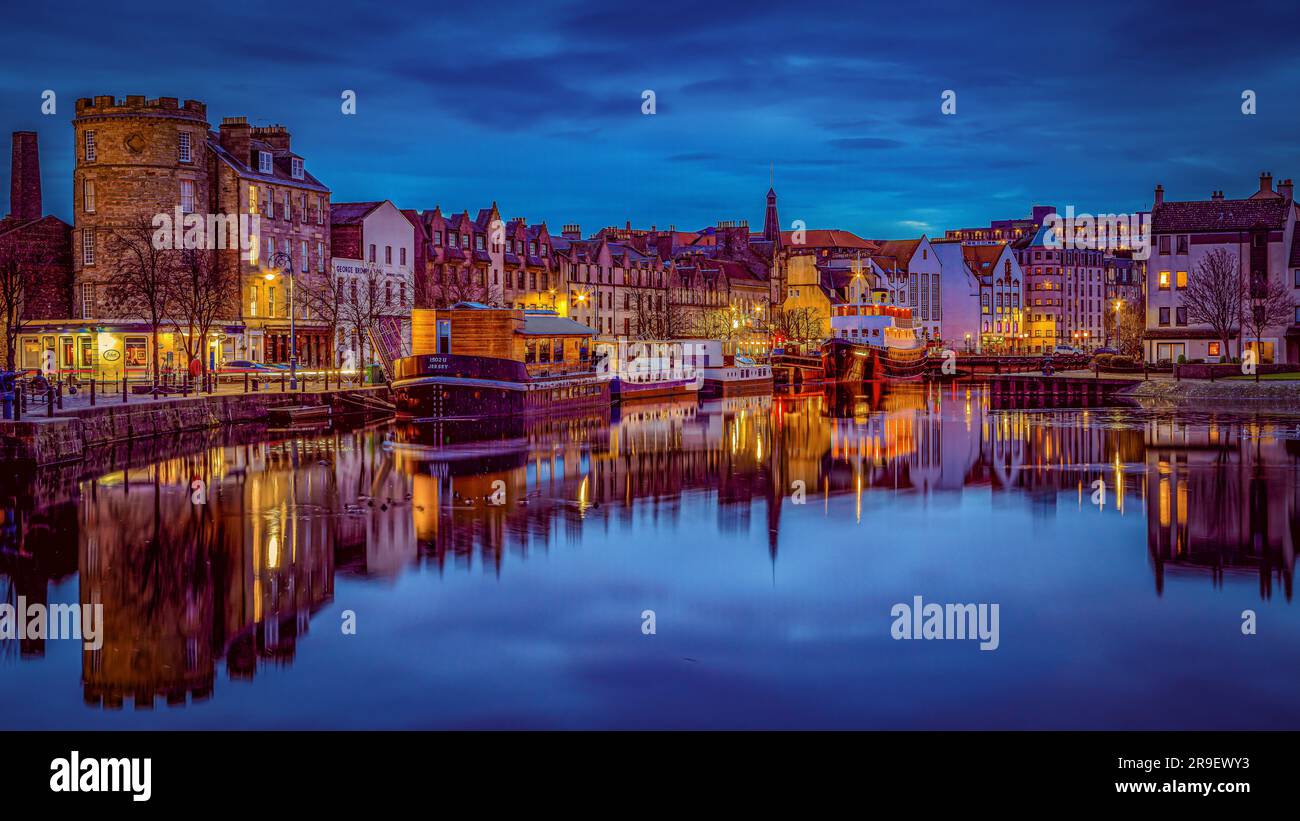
point(1256, 235)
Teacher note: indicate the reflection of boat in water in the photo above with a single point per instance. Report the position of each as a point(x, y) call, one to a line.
point(473, 361)
point(871, 339)
point(490, 440)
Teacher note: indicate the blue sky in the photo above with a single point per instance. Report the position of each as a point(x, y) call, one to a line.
point(538, 105)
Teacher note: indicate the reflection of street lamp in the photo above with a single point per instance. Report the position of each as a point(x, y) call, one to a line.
point(283, 262)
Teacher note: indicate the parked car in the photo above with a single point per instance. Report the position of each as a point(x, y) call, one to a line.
point(1067, 350)
point(1105, 349)
point(234, 369)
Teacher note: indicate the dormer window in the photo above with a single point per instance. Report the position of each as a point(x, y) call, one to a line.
point(264, 162)
point(296, 165)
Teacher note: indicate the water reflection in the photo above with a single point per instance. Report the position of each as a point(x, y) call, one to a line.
point(234, 582)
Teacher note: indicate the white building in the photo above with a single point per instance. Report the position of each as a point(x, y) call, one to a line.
point(374, 246)
point(982, 302)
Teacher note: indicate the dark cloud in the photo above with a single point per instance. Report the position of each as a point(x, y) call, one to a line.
point(538, 105)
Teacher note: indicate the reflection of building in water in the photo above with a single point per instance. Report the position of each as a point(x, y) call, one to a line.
point(34, 550)
point(1223, 498)
point(186, 580)
point(581, 470)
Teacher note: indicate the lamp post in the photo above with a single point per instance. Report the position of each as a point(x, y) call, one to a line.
point(282, 262)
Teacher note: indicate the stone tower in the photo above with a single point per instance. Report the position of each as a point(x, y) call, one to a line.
point(135, 158)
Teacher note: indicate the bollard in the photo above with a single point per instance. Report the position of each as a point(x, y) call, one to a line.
point(49, 401)
point(59, 392)
point(18, 402)
point(124, 386)
point(281, 381)
point(92, 391)
point(245, 381)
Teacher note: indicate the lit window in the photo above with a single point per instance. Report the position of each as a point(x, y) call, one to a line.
point(1164, 280)
point(252, 199)
point(1181, 281)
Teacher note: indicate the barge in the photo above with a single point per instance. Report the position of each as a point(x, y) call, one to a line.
point(475, 361)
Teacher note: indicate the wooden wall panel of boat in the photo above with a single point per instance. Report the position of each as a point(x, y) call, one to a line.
point(473, 332)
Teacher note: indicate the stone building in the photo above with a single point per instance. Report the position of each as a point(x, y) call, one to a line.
point(145, 164)
point(254, 171)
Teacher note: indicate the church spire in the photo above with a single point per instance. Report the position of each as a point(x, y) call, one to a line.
point(771, 224)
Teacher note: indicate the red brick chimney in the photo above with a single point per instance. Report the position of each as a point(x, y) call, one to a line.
point(1286, 188)
point(1265, 183)
point(25, 178)
point(1216, 196)
point(1160, 195)
point(236, 134)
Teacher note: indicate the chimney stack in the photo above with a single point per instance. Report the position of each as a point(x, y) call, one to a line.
point(25, 178)
point(1285, 188)
point(1160, 195)
point(236, 137)
point(572, 231)
point(1216, 196)
point(1265, 183)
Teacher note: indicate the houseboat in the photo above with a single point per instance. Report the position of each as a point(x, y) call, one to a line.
point(727, 374)
point(872, 339)
point(474, 361)
point(648, 369)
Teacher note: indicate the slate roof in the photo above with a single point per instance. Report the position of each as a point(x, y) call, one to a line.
point(1219, 215)
point(543, 325)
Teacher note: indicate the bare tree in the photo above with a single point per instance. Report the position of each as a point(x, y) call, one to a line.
point(719, 323)
point(199, 293)
point(800, 325)
point(459, 286)
point(362, 306)
point(1214, 295)
point(325, 299)
point(1126, 326)
point(139, 281)
point(1268, 304)
point(656, 316)
point(22, 261)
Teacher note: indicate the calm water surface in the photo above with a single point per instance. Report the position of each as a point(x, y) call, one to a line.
point(770, 536)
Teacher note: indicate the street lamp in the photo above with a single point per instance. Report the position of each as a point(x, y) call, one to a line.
point(284, 262)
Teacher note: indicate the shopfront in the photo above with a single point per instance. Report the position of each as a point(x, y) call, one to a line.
point(79, 351)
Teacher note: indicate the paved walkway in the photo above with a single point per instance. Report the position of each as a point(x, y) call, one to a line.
point(37, 408)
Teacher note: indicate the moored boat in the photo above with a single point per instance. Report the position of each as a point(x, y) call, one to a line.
point(727, 374)
point(871, 339)
point(648, 369)
point(472, 361)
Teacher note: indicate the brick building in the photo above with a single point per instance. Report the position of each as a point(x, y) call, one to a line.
point(36, 253)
